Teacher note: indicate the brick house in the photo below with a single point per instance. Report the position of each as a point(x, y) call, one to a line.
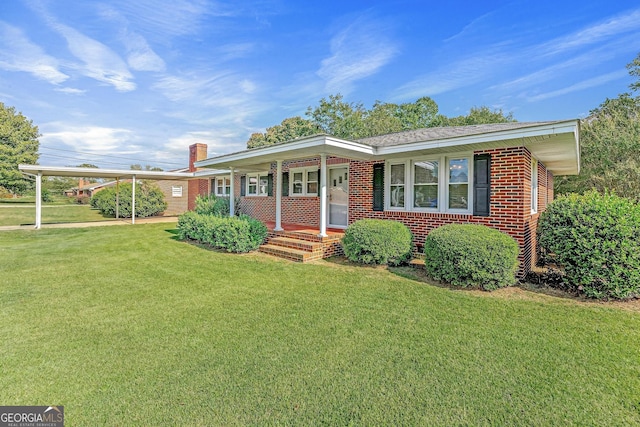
point(499, 175)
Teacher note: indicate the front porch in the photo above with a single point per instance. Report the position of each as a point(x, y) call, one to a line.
point(302, 243)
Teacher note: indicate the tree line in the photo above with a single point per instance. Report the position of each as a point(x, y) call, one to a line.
point(609, 136)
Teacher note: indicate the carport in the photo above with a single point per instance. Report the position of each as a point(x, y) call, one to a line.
point(38, 172)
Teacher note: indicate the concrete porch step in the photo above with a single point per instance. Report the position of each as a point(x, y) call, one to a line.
point(298, 255)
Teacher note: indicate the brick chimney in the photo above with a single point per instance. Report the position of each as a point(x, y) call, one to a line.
point(197, 152)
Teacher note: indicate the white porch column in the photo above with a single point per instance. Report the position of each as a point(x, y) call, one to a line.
point(133, 201)
point(278, 189)
point(118, 198)
point(323, 195)
point(232, 194)
point(39, 200)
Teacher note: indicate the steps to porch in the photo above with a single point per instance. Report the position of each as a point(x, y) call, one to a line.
point(302, 245)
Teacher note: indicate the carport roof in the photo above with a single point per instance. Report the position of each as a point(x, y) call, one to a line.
point(117, 173)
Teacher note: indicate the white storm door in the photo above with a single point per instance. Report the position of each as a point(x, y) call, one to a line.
point(338, 196)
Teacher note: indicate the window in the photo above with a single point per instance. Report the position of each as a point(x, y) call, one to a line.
point(304, 181)
point(437, 184)
point(458, 184)
point(222, 186)
point(534, 186)
point(257, 184)
point(425, 184)
point(396, 186)
point(176, 191)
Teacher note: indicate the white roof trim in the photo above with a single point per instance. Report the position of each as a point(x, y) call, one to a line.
point(115, 173)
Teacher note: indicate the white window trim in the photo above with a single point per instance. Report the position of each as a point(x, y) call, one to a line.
point(216, 182)
point(176, 191)
point(443, 184)
point(256, 175)
point(534, 186)
point(304, 172)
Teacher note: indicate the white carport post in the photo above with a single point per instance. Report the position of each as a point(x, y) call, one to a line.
point(232, 194)
point(323, 195)
point(117, 197)
point(278, 190)
point(39, 200)
point(133, 201)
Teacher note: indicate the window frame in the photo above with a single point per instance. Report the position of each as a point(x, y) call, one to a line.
point(305, 181)
point(258, 176)
point(443, 184)
point(221, 180)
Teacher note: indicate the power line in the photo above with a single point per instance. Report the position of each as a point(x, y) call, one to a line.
point(82, 159)
point(107, 155)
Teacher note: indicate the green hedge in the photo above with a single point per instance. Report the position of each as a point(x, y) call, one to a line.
point(377, 241)
point(596, 239)
point(149, 200)
point(237, 234)
point(470, 255)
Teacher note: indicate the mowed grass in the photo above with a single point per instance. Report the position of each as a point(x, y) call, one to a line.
point(128, 326)
point(17, 214)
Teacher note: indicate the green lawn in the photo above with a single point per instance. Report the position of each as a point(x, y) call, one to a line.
point(18, 214)
point(128, 326)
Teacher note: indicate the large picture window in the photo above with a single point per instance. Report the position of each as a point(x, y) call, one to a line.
point(303, 182)
point(437, 184)
point(425, 184)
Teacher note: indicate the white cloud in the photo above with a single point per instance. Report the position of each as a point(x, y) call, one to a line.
point(100, 62)
point(357, 51)
point(18, 53)
point(585, 84)
point(71, 90)
point(97, 139)
point(167, 17)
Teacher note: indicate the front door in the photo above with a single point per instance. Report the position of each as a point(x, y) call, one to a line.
point(338, 196)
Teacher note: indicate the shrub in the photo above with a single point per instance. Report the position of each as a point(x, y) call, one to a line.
point(237, 234)
point(596, 239)
point(470, 255)
point(149, 200)
point(212, 205)
point(377, 241)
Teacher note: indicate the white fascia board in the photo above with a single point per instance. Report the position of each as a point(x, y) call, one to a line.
point(321, 144)
point(101, 173)
point(550, 129)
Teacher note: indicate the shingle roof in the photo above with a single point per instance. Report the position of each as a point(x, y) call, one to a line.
point(432, 134)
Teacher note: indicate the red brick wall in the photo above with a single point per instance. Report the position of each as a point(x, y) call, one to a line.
point(510, 201)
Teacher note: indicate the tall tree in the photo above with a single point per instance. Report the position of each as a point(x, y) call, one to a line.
point(336, 117)
point(610, 143)
point(479, 116)
point(18, 144)
point(289, 129)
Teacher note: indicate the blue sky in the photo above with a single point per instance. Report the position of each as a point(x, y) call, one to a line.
point(118, 82)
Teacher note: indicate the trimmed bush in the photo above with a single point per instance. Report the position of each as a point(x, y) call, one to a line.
point(237, 234)
point(470, 255)
point(149, 200)
point(212, 205)
point(377, 241)
point(596, 239)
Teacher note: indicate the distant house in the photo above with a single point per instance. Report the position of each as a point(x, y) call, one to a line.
point(88, 189)
point(500, 175)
